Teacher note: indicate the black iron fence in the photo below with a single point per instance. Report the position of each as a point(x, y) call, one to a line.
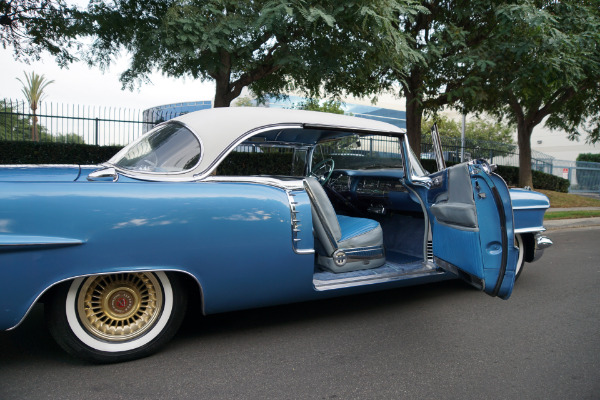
point(106, 126)
point(62, 123)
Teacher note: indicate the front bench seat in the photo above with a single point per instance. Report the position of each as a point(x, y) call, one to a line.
point(343, 243)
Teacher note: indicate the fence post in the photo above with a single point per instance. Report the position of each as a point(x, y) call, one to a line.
point(96, 130)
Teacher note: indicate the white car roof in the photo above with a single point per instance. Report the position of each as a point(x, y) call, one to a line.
point(221, 129)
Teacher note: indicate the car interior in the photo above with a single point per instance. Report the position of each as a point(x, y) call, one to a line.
point(369, 226)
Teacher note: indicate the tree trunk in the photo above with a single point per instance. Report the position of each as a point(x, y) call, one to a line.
point(222, 96)
point(524, 131)
point(222, 79)
point(414, 115)
point(34, 121)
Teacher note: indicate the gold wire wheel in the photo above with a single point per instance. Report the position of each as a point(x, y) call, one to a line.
point(119, 307)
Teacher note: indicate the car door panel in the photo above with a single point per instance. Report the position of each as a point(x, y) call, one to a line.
point(481, 249)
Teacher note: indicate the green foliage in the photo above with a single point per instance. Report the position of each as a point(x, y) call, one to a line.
point(31, 27)
point(13, 126)
point(270, 45)
point(589, 157)
point(54, 153)
point(475, 129)
point(541, 180)
point(329, 106)
point(541, 63)
point(243, 102)
point(33, 90)
point(273, 163)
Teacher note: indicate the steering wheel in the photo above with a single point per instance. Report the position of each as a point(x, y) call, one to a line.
point(322, 171)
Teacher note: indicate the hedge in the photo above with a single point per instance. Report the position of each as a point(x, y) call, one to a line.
point(235, 164)
point(54, 153)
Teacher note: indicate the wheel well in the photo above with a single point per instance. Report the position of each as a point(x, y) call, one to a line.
point(529, 244)
point(191, 285)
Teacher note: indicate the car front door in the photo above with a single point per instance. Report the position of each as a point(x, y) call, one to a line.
point(472, 227)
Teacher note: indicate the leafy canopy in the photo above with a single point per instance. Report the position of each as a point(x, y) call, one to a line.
point(30, 27)
point(270, 45)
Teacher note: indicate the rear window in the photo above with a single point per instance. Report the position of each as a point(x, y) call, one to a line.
point(169, 148)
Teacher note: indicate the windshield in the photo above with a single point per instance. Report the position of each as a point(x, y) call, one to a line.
point(361, 152)
point(168, 148)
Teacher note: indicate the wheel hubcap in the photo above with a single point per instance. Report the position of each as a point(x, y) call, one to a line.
point(119, 307)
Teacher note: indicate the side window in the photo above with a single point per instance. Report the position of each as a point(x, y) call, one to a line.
point(260, 159)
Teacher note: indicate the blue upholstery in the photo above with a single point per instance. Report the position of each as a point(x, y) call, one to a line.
point(352, 227)
point(343, 243)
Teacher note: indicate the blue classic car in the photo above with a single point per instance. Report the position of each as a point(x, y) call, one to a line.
point(241, 208)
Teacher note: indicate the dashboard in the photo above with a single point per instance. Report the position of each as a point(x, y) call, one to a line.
point(374, 190)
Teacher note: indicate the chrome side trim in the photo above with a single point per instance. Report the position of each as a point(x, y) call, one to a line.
point(296, 224)
point(260, 180)
point(108, 273)
point(426, 270)
point(530, 230)
point(104, 174)
point(531, 207)
point(25, 242)
point(24, 166)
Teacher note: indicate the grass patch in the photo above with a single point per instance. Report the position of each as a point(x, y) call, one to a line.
point(568, 200)
point(572, 214)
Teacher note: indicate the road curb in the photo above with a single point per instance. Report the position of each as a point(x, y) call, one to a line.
point(557, 224)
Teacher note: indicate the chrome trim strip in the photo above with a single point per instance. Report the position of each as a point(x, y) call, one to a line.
point(427, 270)
point(108, 273)
point(259, 180)
point(24, 242)
point(531, 207)
point(530, 230)
point(295, 224)
point(43, 166)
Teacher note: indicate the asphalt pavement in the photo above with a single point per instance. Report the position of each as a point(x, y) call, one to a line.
point(443, 340)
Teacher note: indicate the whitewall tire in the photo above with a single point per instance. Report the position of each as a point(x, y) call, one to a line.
point(116, 317)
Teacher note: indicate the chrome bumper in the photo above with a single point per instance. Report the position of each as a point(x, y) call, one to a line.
point(541, 243)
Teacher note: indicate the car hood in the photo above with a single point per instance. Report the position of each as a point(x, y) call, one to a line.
point(39, 173)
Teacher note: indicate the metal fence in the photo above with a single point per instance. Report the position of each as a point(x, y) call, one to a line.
point(63, 123)
point(119, 126)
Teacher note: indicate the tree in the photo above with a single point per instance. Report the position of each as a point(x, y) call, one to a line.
point(329, 106)
point(542, 63)
point(443, 34)
point(270, 45)
point(33, 89)
point(483, 138)
point(13, 126)
point(32, 26)
point(475, 129)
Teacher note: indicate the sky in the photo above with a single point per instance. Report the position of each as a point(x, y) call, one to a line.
point(80, 84)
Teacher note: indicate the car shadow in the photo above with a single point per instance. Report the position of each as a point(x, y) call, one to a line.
point(31, 342)
point(195, 325)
